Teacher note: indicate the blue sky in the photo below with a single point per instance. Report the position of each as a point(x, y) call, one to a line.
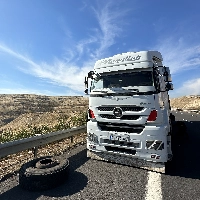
point(47, 46)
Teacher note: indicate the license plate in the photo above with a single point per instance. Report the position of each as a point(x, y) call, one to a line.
point(119, 137)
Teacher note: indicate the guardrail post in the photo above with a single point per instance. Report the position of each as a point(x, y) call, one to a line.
point(72, 139)
point(35, 151)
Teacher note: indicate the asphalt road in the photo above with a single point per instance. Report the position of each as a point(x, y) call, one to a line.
point(91, 179)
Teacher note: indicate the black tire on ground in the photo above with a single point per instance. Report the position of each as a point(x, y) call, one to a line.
point(43, 173)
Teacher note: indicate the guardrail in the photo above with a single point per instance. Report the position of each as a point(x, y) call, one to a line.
point(36, 141)
point(185, 110)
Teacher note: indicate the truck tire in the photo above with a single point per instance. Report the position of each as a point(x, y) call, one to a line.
point(43, 173)
point(172, 117)
point(182, 129)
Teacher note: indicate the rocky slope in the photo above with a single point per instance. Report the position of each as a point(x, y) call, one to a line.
point(21, 110)
point(191, 102)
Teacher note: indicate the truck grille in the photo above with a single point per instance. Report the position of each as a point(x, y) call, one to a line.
point(121, 150)
point(120, 143)
point(130, 117)
point(124, 108)
point(120, 127)
point(107, 116)
point(125, 117)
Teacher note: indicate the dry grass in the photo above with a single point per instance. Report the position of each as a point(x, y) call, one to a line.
point(27, 115)
point(12, 163)
point(23, 116)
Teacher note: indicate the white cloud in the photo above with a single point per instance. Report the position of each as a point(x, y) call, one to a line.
point(17, 55)
point(59, 73)
point(82, 45)
point(72, 68)
point(84, 5)
point(190, 87)
point(18, 91)
point(23, 90)
point(109, 19)
point(179, 55)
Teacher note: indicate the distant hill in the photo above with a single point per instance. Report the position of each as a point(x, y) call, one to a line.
point(21, 110)
point(191, 102)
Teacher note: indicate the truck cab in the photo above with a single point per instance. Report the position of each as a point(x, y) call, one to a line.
point(129, 110)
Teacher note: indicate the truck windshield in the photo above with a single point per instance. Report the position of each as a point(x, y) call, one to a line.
point(142, 78)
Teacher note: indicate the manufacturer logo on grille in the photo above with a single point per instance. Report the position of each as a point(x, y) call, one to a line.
point(117, 112)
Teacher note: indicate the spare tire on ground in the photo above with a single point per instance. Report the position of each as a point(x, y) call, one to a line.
point(43, 173)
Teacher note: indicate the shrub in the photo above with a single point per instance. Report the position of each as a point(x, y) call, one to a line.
point(63, 123)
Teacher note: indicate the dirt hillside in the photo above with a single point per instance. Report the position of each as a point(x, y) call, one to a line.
point(21, 110)
point(191, 102)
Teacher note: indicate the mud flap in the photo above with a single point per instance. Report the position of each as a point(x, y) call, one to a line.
point(126, 160)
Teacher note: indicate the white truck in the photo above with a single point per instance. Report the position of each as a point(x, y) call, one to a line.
point(129, 110)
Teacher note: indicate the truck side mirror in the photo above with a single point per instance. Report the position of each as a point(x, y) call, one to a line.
point(167, 75)
point(86, 82)
point(156, 79)
point(169, 86)
point(86, 91)
point(86, 85)
point(90, 74)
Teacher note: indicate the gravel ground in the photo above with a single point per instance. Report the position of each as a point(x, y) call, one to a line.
point(13, 162)
point(88, 179)
point(91, 179)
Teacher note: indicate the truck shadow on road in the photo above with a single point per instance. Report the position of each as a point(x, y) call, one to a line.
point(185, 147)
point(75, 182)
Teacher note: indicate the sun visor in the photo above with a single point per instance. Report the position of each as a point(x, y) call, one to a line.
point(114, 68)
point(129, 58)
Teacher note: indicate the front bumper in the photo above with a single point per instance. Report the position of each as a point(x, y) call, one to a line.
point(121, 159)
point(139, 148)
